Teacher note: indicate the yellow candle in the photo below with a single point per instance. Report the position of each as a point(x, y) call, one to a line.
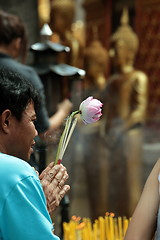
point(72, 230)
point(90, 229)
point(78, 234)
point(84, 234)
point(95, 231)
point(66, 231)
point(107, 227)
point(125, 225)
point(111, 227)
point(120, 231)
point(116, 235)
point(101, 228)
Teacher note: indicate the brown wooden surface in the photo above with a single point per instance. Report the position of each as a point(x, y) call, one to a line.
point(148, 29)
point(98, 15)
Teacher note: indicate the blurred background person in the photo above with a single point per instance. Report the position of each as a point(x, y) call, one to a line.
point(13, 47)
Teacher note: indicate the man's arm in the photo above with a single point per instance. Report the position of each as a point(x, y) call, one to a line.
point(56, 120)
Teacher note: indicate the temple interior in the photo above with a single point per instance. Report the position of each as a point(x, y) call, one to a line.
point(109, 50)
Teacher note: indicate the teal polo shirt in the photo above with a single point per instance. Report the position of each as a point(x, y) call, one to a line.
point(23, 211)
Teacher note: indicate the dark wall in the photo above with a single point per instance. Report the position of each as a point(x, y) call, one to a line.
point(117, 6)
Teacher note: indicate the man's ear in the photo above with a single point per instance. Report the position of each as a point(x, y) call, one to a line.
point(15, 47)
point(17, 43)
point(5, 120)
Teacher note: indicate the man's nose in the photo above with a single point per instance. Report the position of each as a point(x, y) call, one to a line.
point(36, 133)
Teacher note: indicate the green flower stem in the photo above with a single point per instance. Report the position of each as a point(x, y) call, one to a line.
point(66, 135)
point(61, 141)
point(66, 132)
point(69, 136)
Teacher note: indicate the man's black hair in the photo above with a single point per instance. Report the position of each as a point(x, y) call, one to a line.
point(16, 93)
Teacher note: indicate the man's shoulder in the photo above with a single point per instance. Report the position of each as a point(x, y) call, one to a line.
point(12, 172)
point(14, 169)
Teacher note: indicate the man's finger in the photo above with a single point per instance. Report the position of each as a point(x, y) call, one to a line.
point(49, 167)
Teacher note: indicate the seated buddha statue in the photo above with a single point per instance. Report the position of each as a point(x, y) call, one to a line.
point(125, 106)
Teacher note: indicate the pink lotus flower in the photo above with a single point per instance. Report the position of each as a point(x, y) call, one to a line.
point(90, 110)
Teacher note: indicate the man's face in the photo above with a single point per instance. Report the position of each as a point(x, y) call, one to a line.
point(23, 134)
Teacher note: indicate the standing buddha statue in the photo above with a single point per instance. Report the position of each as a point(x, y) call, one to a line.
point(61, 20)
point(125, 105)
point(96, 66)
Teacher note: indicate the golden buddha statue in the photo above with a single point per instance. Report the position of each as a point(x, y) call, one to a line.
point(96, 66)
point(61, 20)
point(62, 15)
point(125, 104)
point(43, 12)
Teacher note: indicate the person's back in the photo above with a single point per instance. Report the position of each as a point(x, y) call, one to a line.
point(13, 46)
point(6, 62)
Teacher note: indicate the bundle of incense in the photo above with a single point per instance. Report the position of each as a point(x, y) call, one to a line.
point(66, 136)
